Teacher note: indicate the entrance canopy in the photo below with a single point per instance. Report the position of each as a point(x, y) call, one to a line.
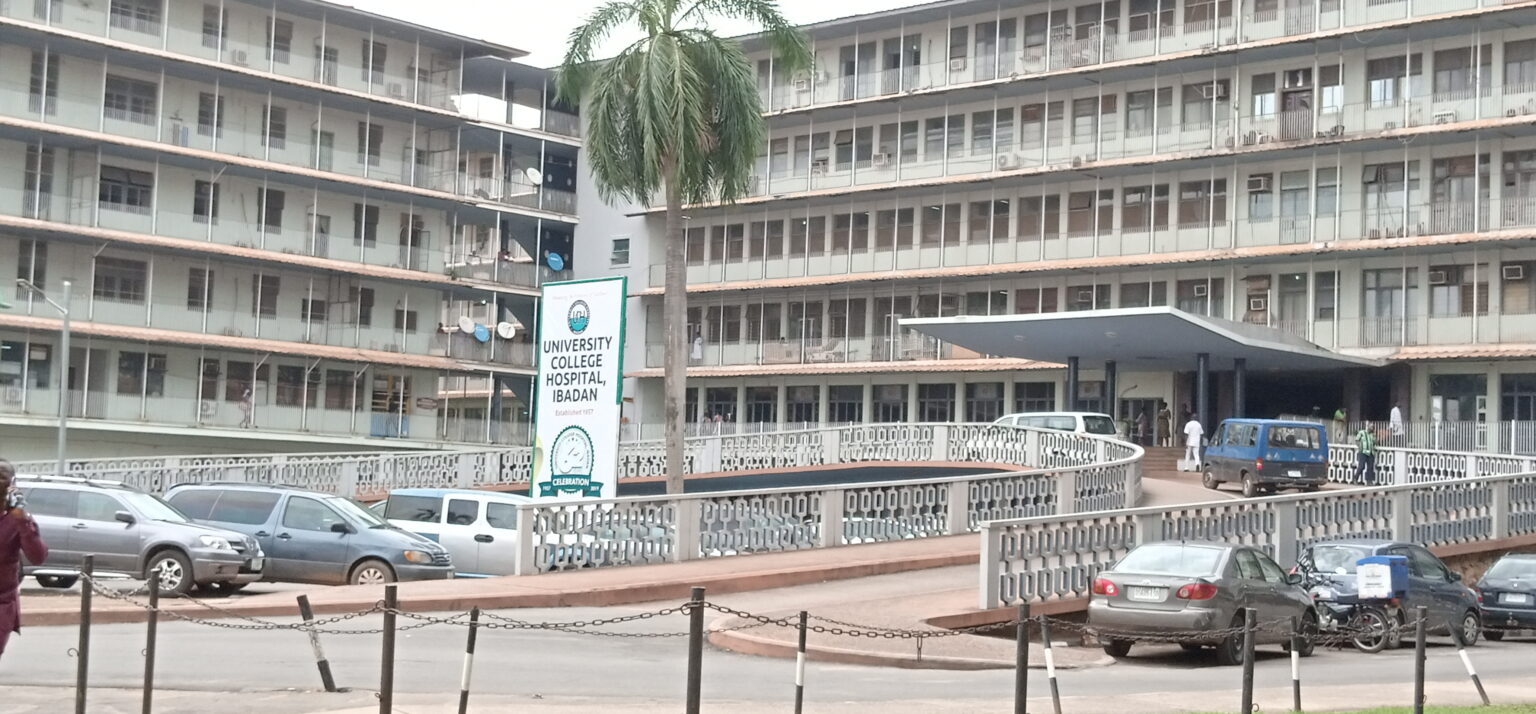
point(1138, 339)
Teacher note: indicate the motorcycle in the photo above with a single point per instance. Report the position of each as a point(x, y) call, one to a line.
point(1370, 625)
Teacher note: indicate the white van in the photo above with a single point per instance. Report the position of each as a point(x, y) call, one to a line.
point(1075, 422)
point(479, 528)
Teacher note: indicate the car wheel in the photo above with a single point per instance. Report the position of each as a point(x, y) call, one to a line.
point(62, 582)
point(1471, 628)
point(221, 589)
point(1209, 480)
point(1117, 648)
point(1309, 631)
point(1250, 485)
point(1229, 651)
point(371, 572)
point(175, 572)
point(1399, 629)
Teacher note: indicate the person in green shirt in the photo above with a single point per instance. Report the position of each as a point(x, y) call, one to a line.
point(1365, 457)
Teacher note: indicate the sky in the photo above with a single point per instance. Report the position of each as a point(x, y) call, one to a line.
point(541, 26)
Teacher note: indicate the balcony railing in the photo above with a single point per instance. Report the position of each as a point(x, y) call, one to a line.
point(493, 349)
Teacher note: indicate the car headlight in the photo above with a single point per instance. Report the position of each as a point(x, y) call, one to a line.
point(418, 556)
point(214, 542)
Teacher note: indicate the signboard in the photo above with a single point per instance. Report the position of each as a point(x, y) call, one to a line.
point(580, 389)
point(426, 404)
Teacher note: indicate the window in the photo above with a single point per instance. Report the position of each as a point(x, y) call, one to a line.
point(1202, 296)
point(365, 224)
point(215, 27)
point(312, 310)
point(1263, 89)
point(269, 204)
point(205, 202)
point(463, 512)
point(128, 99)
point(1034, 301)
point(297, 386)
point(405, 319)
point(308, 514)
point(249, 508)
point(243, 379)
point(363, 298)
point(890, 403)
point(802, 405)
point(136, 15)
point(1144, 294)
point(340, 389)
point(1520, 66)
point(1461, 72)
point(1040, 217)
point(1327, 192)
point(1202, 203)
point(1088, 297)
point(199, 289)
point(51, 502)
point(1261, 197)
point(276, 135)
point(119, 279)
point(138, 372)
point(762, 405)
point(374, 54)
point(370, 143)
point(92, 506)
point(1200, 102)
point(1390, 80)
point(279, 40)
point(1034, 396)
point(1458, 290)
point(126, 190)
point(264, 295)
point(1323, 295)
point(1331, 83)
point(210, 114)
point(1143, 112)
point(32, 263)
point(618, 255)
point(208, 384)
point(845, 404)
point(983, 402)
point(43, 85)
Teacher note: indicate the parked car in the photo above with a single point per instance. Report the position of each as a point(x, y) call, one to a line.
point(1267, 455)
point(1431, 583)
point(1508, 595)
point(1075, 422)
point(132, 533)
point(313, 537)
point(1197, 586)
point(479, 528)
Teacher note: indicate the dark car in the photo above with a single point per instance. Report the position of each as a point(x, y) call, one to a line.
point(1193, 587)
point(1508, 594)
point(1267, 455)
point(1431, 583)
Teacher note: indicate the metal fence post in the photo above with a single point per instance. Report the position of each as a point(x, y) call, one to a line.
point(1421, 630)
point(695, 649)
point(83, 648)
point(387, 659)
point(1297, 641)
point(1021, 660)
point(314, 644)
point(1050, 663)
point(469, 659)
point(150, 631)
point(1250, 619)
point(800, 666)
point(1466, 661)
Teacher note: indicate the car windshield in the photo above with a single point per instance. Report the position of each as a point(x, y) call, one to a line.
point(351, 509)
point(1099, 425)
point(1294, 437)
point(152, 507)
point(1513, 568)
point(1171, 559)
point(1337, 559)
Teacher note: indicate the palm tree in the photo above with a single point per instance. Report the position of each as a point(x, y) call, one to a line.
point(675, 114)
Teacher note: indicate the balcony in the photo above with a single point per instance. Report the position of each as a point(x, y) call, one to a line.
point(517, 353)
point(907, 346)
point(1085, 48)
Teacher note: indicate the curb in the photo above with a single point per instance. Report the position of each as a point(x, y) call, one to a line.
point(743, 642)
point(642, 592)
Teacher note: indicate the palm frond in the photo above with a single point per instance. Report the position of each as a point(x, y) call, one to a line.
point(791, 48)
point(575, 73)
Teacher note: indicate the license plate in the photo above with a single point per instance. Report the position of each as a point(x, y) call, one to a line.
point(1145, 594)
point(1514, 598)
point(1293, 473)
point(256, 564)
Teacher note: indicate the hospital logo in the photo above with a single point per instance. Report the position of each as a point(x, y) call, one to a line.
point(578, 317)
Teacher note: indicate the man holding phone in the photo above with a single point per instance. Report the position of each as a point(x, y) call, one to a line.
point(18, 537)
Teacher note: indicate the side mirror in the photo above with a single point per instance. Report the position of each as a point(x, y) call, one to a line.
point(124, 517)
point(340, 528)
point(1294, 578)
point(1454, 577)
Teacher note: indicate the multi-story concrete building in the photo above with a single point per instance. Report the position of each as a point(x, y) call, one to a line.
point(274, 216)
point(1361, 174)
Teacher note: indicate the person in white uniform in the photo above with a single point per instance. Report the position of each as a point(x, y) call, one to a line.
point(1192, 434)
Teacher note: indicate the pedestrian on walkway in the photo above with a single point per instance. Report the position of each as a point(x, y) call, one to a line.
point(1395, 425)
point(18, 537)
point(1164, 426)
point(1192, 437)
point(1340, 421)
point(1365, 456)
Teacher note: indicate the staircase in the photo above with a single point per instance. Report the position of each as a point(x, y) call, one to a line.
point(1163, 462)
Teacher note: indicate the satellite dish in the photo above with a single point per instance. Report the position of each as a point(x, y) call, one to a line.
point(534, 176)
point(482, 333)
point(466, 325)
point(506, 330)
point(556, 263)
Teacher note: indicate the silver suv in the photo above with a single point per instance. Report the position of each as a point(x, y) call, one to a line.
point(132, 533)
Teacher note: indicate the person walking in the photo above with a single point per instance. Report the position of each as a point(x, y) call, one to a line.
point(1395, 425)
point(1141, 427)
point(1164, 426)
point(1340, 419)
point(1365, 456)
point(18, 538)
point(1192, 436)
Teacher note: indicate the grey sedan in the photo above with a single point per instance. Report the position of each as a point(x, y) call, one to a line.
point(1194, 592)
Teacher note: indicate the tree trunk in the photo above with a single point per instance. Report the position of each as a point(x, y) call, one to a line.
point(675, 326)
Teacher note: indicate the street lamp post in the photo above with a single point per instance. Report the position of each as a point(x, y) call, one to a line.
point(63, 361)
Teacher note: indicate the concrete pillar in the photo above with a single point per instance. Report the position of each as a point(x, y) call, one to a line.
point(1203, 389)
point(1071, 387)
point(1240, 387)
point(1111, 393)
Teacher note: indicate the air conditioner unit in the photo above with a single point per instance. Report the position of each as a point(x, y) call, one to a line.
point(1514, 272)
point(1214, 90)
point(957, 65)
point(819, 167)
point(207, 408)
point(881, 160)
point(1445, 117)
point(1437, 277)
point(1201, 289)
point(1250, 138)
point(240, 57)
point(1005, 161)
point(1265, 138)
point(232, 332)
point(1085, 296)
point(1260, 182)
point(803, 85)
point(1077, 161)
point(1258, 304)
point(1337, 131)
point(396, 90)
